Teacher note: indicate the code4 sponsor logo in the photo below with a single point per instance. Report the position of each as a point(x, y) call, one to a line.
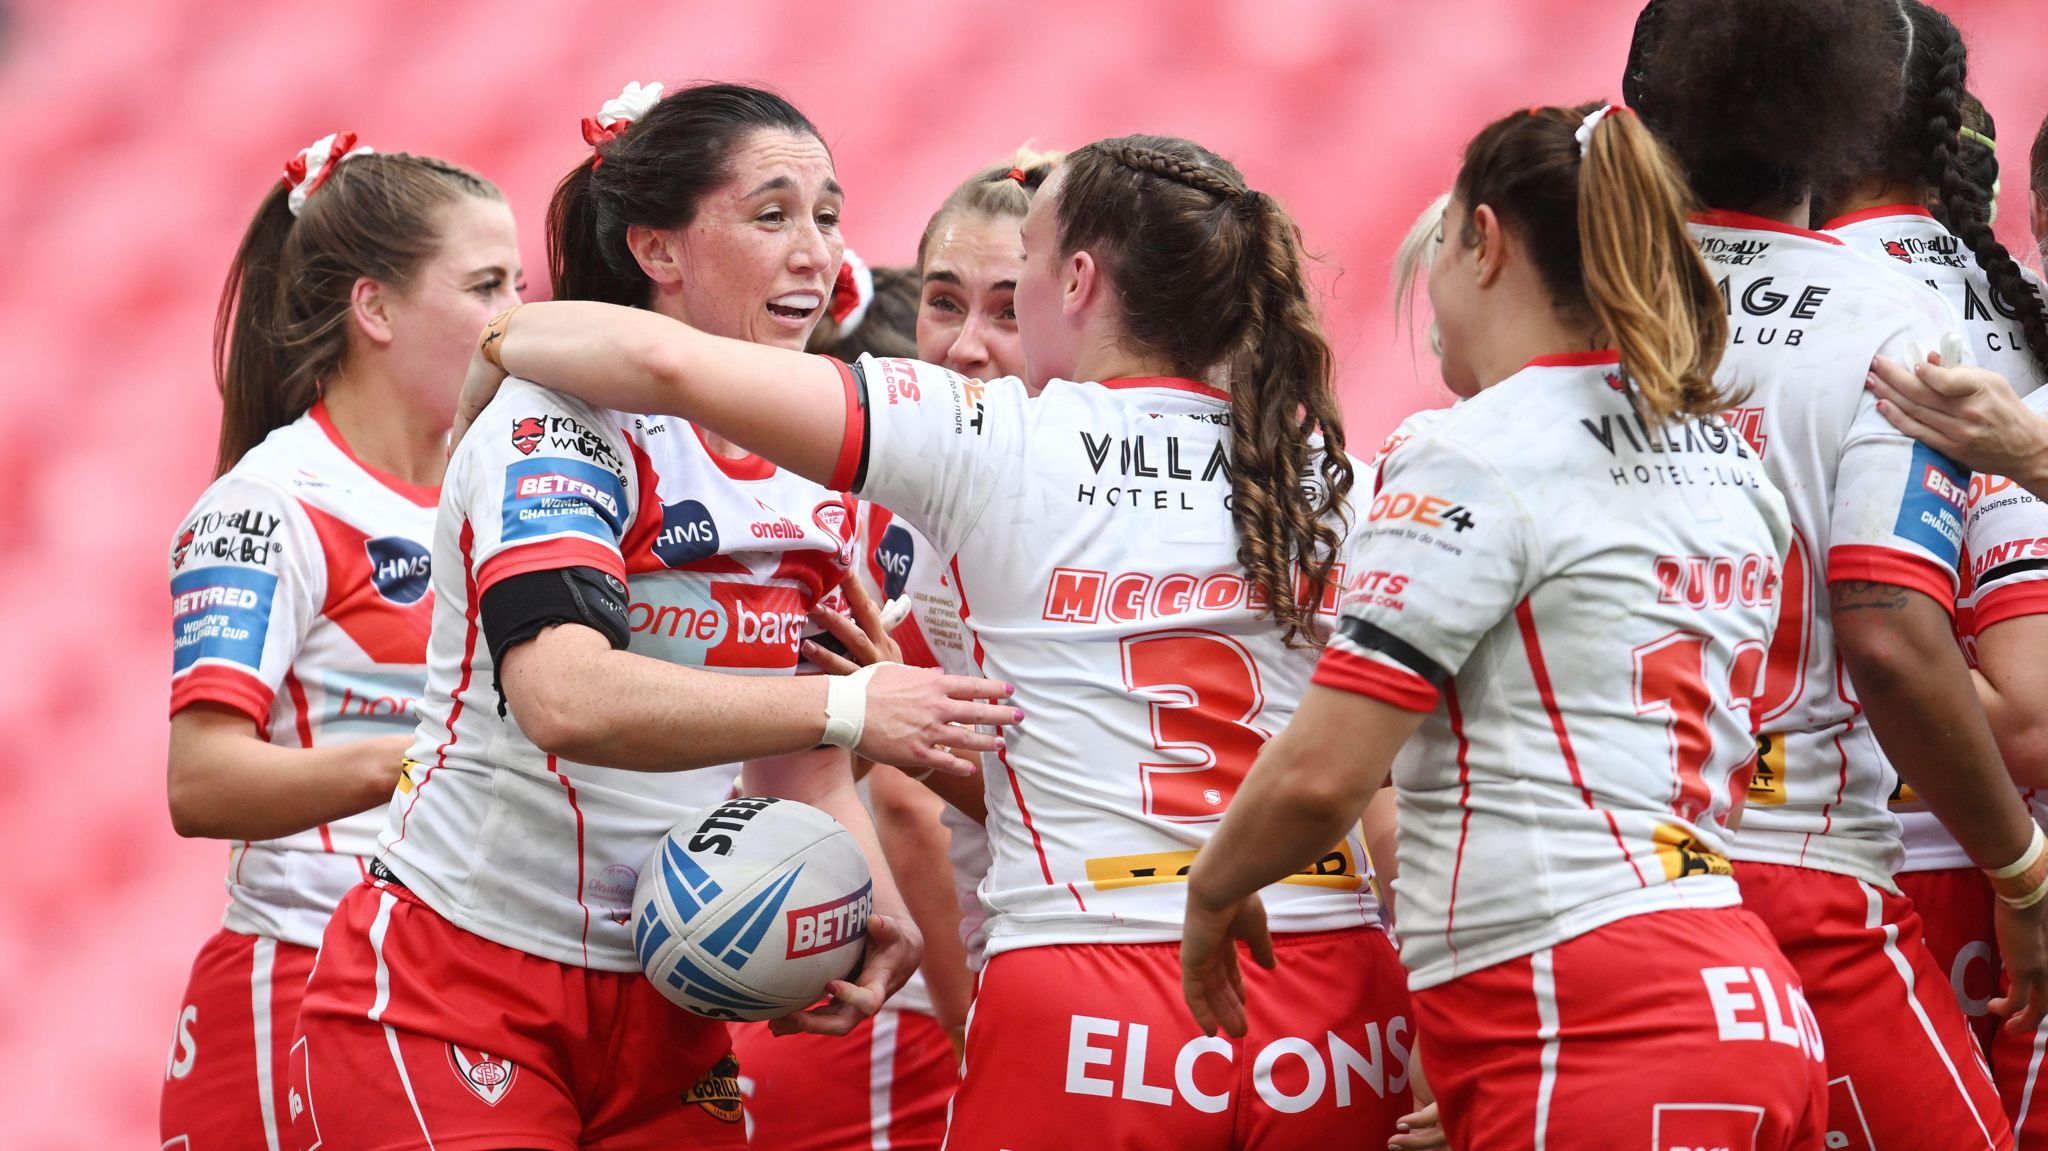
point(830, 925)
point(487, 1078)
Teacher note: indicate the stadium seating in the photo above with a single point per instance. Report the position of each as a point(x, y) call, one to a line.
point(139, 136)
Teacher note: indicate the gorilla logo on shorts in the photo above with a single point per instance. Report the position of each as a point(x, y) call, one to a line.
point(719, 1091)
point(487, 1078)
point(527, 433)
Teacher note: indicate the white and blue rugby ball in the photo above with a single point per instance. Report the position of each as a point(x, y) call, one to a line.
point(748, 909)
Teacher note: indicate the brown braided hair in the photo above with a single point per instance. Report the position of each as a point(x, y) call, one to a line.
point(1925, 148)
point(1208, 274)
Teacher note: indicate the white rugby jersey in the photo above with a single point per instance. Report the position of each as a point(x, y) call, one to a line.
point(2005, 569)
point(299, 597)
point(1579, 601)
point(1908, 239)
point(899, 562)
point(1806, 314)
point(723, 560)
point(1096, 564)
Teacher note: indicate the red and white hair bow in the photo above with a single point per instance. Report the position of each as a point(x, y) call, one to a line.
point(311, 167)
point(619, 112)
point(852, 291)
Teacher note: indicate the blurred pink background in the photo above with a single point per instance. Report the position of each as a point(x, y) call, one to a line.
point(138, 138)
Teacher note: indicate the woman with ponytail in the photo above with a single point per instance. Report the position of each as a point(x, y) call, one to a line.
point(299, 582)
point(620, 601)
point(1154, 560)
point(1566, 583)
point(1768, 103)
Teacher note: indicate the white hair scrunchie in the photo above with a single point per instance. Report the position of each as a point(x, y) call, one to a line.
point(617, 114)
point(1585, 133)
point(310, 168)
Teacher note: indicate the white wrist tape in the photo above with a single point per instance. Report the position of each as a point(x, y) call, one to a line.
point(2032, 855)
point(846, 706)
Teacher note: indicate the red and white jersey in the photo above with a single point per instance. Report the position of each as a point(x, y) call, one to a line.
point(723, 560)
point(1912, 242)
point(300, 597)
point(1095, 559)
point(1806, 314)
point(900, 563)
point(2005, 568)
point(1908, 239)
point(1579, 600)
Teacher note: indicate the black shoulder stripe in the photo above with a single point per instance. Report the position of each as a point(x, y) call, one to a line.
point(867, 427)
point(2007, 571)
point(1373, 637)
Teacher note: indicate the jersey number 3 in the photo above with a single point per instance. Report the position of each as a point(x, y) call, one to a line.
point(1204, 692)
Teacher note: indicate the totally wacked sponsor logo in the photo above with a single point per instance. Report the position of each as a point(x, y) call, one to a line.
point(1735, 253)
point(568, 434)
point(545, 497)
point(220, 613)
point(487, 1078)
point(399, 568)
point(1943, 251)
point(527, 433)
point(245, 536)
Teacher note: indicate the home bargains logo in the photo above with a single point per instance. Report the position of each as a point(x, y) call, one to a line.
point(830, 925)
point(719, 623)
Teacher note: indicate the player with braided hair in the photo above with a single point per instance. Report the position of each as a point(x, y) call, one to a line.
point(1932, 155)
point(1766, 102)
point(1152, 559)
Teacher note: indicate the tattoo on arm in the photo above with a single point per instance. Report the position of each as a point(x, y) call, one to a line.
point(1859, 595)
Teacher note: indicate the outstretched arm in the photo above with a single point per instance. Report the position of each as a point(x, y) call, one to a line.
point(788, 406)
point(1309, 784)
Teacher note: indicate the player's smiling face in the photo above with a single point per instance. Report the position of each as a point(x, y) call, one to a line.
point(758, 260)
point(967, 315)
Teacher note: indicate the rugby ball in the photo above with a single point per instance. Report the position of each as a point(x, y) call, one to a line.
point(748, 909)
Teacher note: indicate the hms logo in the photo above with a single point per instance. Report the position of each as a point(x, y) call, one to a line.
point(487, 1078)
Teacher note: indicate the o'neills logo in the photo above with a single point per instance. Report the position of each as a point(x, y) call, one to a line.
point(487, 1078)
point(719, 1091)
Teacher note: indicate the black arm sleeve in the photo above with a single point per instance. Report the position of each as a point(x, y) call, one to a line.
point(520, 607)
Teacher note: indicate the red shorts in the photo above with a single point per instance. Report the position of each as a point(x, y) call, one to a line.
point(1903, 1069)
point(415, 1033)
point(225, 1083)
point(1665, 1030)
point(2017, 1064)
point(1093, 1046)
point(885, 1084)
point(1957, 917)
